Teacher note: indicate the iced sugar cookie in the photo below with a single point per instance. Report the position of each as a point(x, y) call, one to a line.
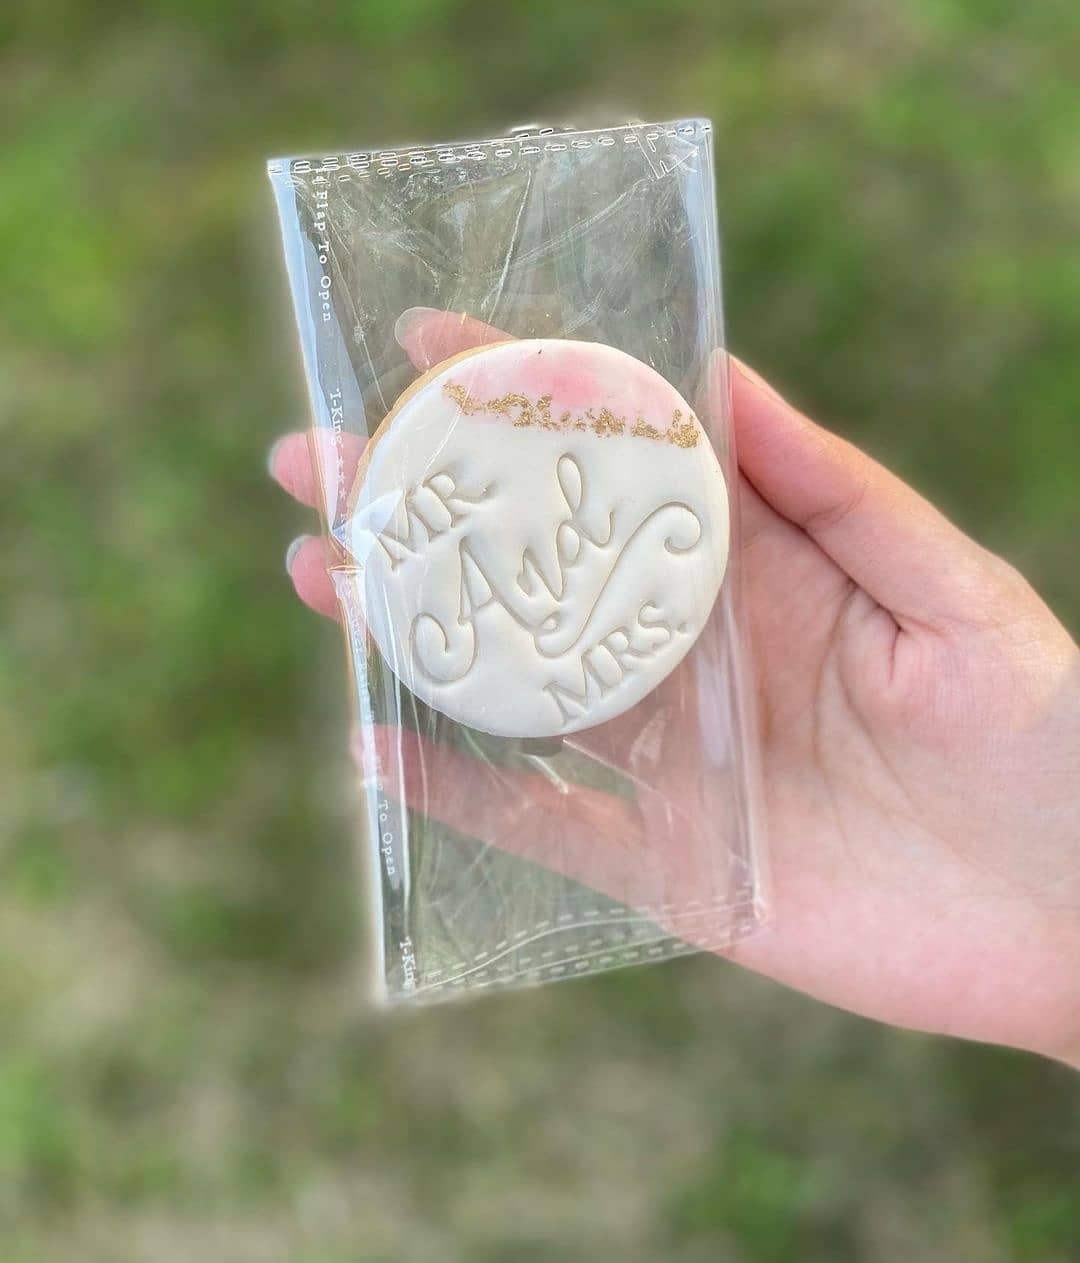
point(542, 530)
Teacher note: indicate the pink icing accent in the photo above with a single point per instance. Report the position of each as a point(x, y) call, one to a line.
point(578, 376)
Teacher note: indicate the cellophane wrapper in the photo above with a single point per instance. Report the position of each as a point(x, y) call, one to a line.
point(506, 862)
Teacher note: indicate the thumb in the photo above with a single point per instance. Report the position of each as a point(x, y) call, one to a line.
point(885, 536)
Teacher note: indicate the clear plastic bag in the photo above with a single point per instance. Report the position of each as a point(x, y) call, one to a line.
point(559, 759)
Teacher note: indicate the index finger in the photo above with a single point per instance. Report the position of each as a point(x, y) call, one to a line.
point(427, 336)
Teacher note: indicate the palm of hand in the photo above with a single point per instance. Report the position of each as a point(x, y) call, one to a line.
point(920, 716)
point(922, 819)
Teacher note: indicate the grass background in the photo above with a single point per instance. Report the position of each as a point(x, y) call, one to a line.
point(185, 1071)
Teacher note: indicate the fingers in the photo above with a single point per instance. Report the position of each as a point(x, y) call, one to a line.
point(606, 842)
point(306, 562)
point(427, 335)
point(308, 556)
point(316, 477)
point(447, 784)
point(590, 836)
point(894, 544)
point(316, 470)
point(291, 466)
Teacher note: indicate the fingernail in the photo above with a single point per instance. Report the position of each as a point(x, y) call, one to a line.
point(271, 456)
point(407, 322)
point(292, 550)
point(755, 379)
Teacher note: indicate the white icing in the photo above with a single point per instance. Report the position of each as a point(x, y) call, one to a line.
point(535, 579)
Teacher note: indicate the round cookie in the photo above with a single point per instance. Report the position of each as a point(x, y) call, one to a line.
point(542, 530)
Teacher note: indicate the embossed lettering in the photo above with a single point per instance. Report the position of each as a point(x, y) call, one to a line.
point(655, 624)
point(559, 609)
point(594, 688)
point(431, 508)
point(620, 645)
point(603, 668)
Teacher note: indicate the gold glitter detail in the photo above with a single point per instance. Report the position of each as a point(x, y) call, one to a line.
point(606, 423)
point(462, 398)
point(522, 411)
point(682, 433)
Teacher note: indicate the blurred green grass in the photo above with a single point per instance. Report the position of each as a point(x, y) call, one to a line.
point(184, 1066)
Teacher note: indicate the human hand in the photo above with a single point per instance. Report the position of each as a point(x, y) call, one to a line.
point(920, 711)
